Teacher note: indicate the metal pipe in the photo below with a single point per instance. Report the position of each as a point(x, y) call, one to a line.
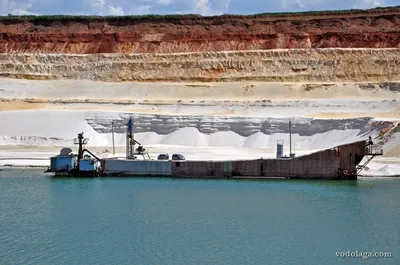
point(290, 137)
point(112, 129)
point(80, 143)
point(127, 144)
point(130, 141)
point(85, 150)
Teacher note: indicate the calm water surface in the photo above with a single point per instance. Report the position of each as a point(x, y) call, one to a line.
point(166, 221)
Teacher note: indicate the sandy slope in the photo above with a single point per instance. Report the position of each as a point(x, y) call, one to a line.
point(47, 131)
point(317, 100)
point(38, 117)
point(88, 91)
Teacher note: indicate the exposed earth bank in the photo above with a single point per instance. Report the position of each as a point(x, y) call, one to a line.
point(202, 82)
point(305, 65)
point(375, 28)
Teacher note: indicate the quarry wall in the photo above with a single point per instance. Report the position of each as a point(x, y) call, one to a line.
point(376, 28)
point(353, 46)
point(295, 65)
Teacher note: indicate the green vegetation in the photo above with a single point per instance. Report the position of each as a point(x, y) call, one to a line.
point(92, 18)
point(10, 17)
point(330, 12)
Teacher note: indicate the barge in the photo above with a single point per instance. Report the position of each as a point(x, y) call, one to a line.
point(340, 163)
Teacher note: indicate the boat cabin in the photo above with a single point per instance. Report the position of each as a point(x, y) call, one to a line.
point(63, 163)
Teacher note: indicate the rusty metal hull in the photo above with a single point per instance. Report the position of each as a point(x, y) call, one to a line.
point(335, 163)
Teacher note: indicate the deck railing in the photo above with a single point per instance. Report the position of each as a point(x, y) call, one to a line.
point(373, 150)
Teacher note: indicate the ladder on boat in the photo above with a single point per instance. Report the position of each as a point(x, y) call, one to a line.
point(371, 152)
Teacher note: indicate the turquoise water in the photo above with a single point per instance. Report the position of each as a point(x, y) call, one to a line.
point(174, 221)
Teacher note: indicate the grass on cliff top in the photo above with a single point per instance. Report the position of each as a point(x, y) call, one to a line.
point(11, 17)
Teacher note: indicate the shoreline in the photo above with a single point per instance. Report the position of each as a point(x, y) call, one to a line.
point(40, 168)
point(38, 157)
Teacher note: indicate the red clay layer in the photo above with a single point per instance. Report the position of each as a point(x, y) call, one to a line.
point(370, 29)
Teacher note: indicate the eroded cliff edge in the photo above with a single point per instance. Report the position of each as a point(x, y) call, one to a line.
point(375, 28)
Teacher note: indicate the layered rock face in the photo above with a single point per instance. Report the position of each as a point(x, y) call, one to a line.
point(350, 46)
point(309, 66)
point(378, 28)
point(317, 65)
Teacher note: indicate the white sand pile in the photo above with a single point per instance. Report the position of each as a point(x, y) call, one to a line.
point(382, 167)
point(47, 123)
point(60, 128)
point(56, 128)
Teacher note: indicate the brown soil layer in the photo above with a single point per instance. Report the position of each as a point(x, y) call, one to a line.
point(377, 28)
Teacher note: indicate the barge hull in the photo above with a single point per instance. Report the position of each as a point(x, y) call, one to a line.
point(335, 163)
point(115, 167)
